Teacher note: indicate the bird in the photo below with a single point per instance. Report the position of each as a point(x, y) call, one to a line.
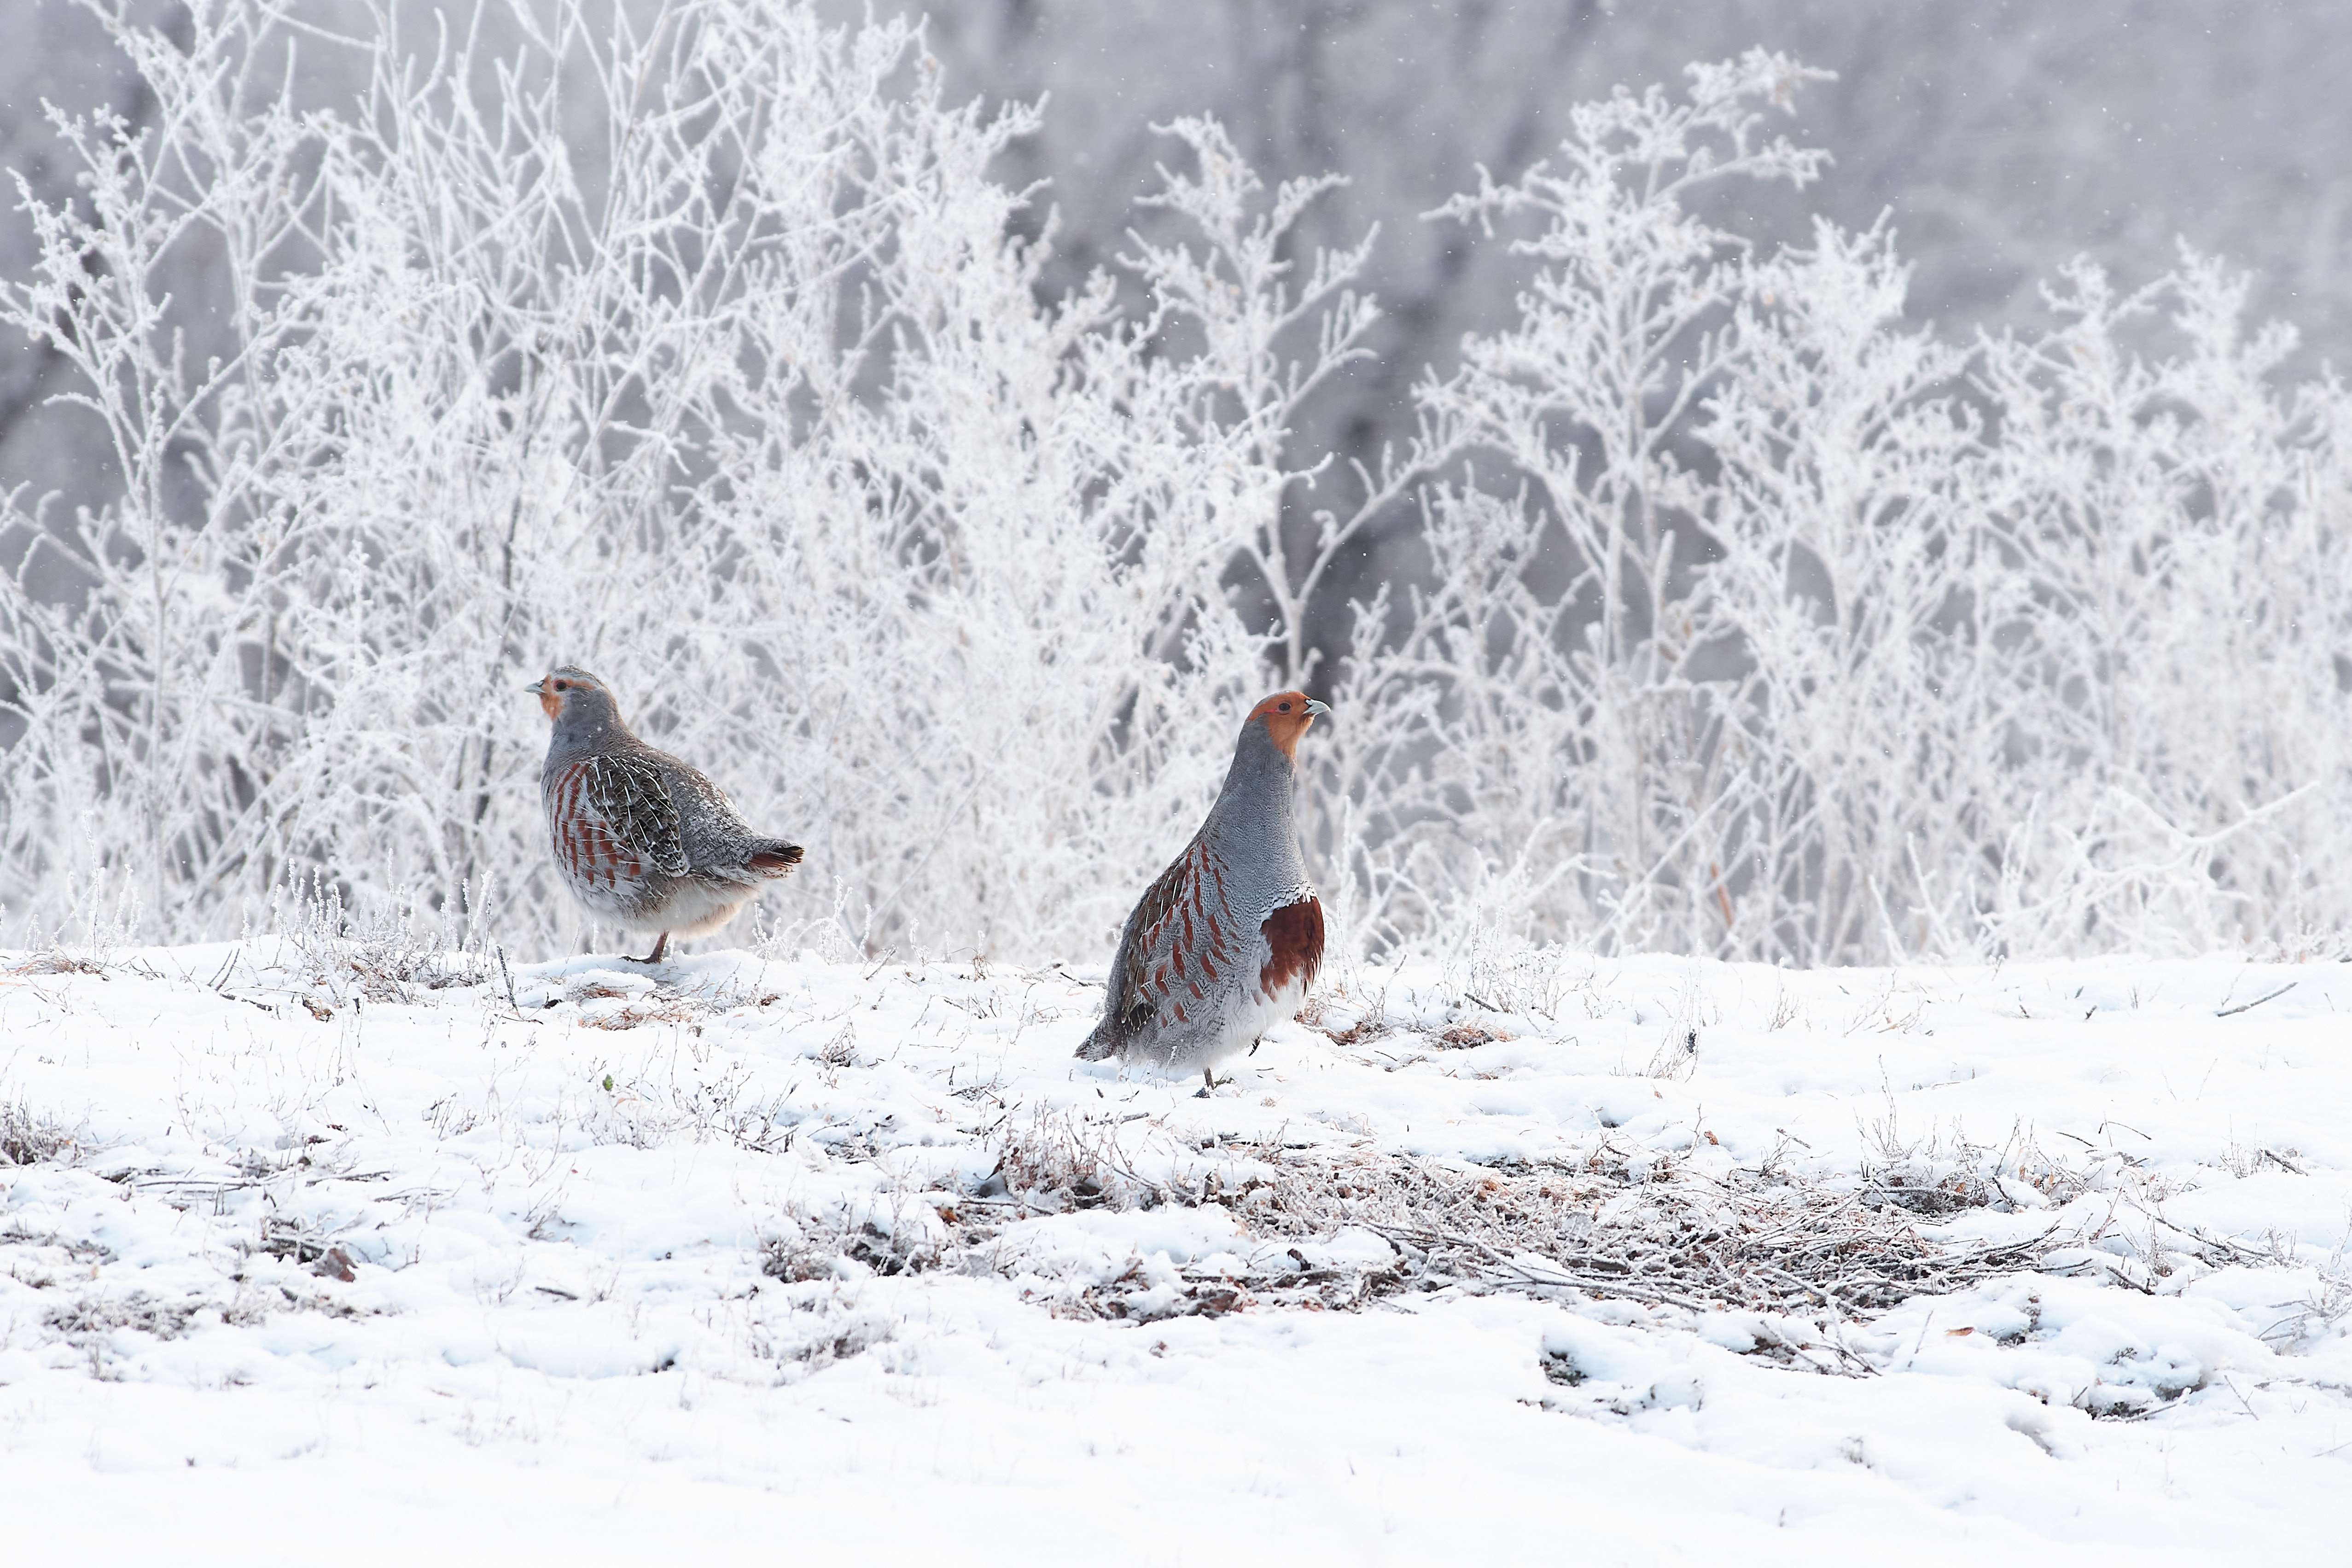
point(641, 839)
point(1228, 939)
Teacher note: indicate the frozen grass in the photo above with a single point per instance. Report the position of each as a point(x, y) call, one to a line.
point(26, 1138)
point(790, 1232)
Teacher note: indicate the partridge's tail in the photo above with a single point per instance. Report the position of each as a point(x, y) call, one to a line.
point(774, 858)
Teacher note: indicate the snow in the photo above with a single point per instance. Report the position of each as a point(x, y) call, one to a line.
point(661, 1315)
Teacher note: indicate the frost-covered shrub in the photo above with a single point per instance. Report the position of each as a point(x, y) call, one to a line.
point(703, 355)
point(1771, 626)
point(1756, 621)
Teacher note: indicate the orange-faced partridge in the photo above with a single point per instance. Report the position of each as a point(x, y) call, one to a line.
point(1229, 938)
point(642, 839)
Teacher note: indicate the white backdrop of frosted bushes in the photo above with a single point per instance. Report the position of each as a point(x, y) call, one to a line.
point(1755, 622)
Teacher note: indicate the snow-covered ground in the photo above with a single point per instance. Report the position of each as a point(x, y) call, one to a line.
point(803, 1261)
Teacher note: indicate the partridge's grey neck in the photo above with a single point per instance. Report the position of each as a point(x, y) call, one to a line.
point(589, 723)
point(1254, 821)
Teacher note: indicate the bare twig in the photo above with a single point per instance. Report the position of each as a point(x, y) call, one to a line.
point(2250, 1006)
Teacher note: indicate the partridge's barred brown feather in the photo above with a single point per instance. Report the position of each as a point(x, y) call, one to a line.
point(1229, 938)
point(642, 839)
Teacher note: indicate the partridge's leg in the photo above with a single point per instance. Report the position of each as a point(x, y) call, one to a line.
point(661, 945)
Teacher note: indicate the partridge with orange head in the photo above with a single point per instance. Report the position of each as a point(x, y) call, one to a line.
point(1228, 940)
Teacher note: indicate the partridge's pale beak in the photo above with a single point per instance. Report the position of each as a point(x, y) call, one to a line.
point(1317, 709)
point(537, 687)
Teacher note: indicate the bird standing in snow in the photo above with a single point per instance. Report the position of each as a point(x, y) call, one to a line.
point(642, 839)
point(1229, 938)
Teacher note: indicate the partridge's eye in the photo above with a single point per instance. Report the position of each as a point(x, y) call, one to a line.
point(563, 686)
point(1286, 708)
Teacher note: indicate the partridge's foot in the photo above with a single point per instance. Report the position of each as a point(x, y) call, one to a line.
point(661, 945)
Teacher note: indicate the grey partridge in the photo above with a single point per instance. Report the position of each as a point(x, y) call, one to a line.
point(1228, 940)
point(642, 840)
